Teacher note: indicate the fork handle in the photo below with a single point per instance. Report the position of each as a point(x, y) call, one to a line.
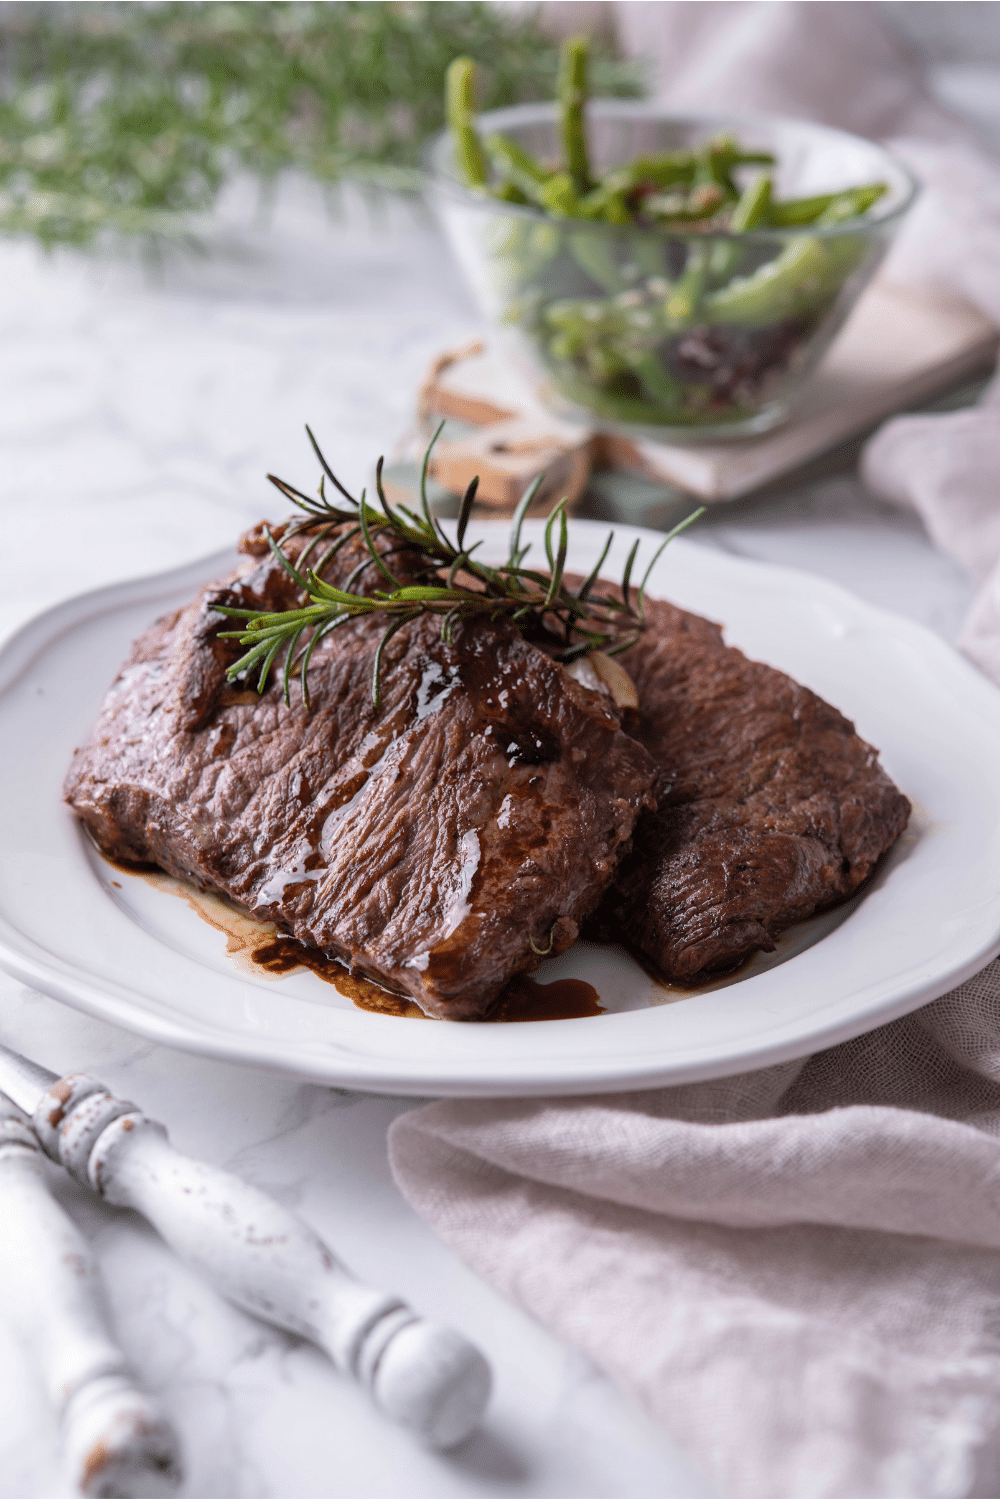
point(267, 1260)
point(115, 1440)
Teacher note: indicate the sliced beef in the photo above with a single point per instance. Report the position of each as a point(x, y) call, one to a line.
point(770, 807)
point(436, 845)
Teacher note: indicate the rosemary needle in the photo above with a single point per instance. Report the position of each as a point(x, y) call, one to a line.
point(541, 606)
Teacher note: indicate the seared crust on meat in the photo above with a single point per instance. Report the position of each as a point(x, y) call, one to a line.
point(770, 806)
point(427, 845)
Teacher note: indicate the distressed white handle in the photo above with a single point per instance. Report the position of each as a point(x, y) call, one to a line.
point(267, 1260)
point(115, 1440)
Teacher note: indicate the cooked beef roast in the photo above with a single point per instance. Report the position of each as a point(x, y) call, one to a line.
point(770, 807)
point(435, 845)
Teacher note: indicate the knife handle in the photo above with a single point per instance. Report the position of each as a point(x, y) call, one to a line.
point(266, 1260)
point(115, 1441)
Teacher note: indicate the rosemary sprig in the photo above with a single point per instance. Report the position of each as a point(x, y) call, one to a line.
point(569, 623)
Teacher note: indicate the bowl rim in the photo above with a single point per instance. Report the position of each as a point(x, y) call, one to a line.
point(518, 114)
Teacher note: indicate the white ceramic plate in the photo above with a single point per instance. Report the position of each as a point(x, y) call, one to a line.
point(108, 943)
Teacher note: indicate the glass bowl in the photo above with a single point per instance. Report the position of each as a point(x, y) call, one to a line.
point(679, 335)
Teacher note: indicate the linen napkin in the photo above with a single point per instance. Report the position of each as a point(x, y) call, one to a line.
point(796, 1269)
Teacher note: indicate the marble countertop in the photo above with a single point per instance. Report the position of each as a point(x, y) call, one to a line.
point(140, 407)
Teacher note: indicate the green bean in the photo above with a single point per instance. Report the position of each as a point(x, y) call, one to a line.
point(553, 190)
point(750, 211)
point(658, 383)
point(773, 291)
point(796, 211)
point(601, 364)
point(566, 312)
point(572, 95)
point(614, 406)
point(616, 210)
point(800, 280)
point(581, 324)
point(807, 273)
point(604, 364)
point(729, 148)
point(459, 105)
point(589, 331)
point(754, 159)
point(594, 254)
point(558, 194)
point(627, 322)
point(508, 193)
point(717, 159)
point(514, 164)
point(564, 347)
point(670, 166)
point(852, 203)
point(660, 171)
point(685, 297)
point(701, 202)
point(714, 164)
point(606, 203)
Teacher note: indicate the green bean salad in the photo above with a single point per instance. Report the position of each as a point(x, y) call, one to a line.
point(675, 289)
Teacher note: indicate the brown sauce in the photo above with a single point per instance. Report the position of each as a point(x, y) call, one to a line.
point(126, 866)
point(368, 996)
point(282, 955)
point(525, 999)
point(257, 948)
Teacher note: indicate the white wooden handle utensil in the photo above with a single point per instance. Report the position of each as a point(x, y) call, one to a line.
point(258, 1254)
point(115, 1441)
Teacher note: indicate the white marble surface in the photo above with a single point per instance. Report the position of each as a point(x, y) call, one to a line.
point(137, 418)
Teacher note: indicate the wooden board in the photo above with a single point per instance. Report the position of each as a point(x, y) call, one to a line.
point(896, 348)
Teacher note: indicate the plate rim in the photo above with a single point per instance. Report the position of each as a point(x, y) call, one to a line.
point(40, 970)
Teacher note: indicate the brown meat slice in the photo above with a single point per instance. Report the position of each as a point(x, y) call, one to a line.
point(435, 845)
point(770, 807)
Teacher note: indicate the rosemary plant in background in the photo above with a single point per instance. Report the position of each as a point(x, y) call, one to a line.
point(452, 584)
point(129, 118)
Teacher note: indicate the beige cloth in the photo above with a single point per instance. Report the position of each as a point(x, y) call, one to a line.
point(947, 468)
point(796, 1269)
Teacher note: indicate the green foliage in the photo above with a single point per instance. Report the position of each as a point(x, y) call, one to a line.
point(129, 117)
